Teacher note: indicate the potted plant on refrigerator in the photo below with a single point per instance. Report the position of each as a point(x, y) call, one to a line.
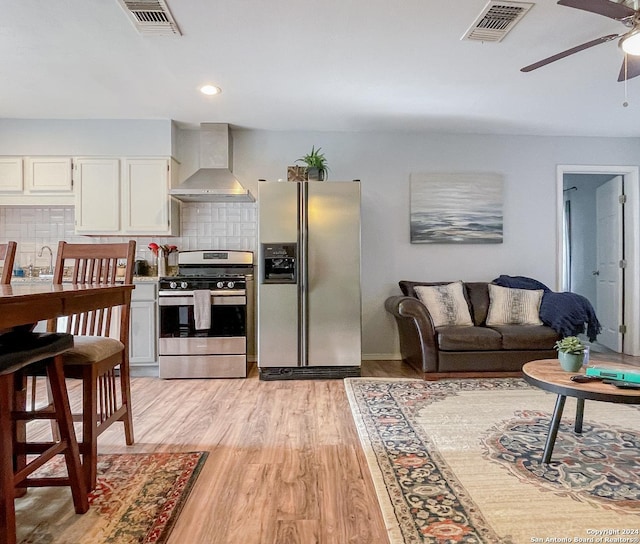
point(316, 164)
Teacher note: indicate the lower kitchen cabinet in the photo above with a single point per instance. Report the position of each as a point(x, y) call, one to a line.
point(143, 337)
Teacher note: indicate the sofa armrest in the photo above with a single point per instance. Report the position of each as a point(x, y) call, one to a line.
point(417, 334)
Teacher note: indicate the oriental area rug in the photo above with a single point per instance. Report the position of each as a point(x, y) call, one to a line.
point(137, 500)
point(460, 461)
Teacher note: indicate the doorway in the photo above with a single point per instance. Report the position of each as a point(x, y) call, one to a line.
point(588, 193)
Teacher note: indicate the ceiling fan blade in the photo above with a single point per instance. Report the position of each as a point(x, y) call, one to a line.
point(568, 52)
point(632, 69)
point(612, 10)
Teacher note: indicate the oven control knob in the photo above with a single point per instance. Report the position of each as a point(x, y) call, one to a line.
point(173, 285)
point(220, 284)
point(184, 285)
point(230, 284)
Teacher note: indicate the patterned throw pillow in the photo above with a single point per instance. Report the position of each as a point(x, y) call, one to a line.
point(446, 304)
point(514, 306)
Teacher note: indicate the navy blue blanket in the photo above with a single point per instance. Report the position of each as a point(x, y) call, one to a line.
point(569, 314)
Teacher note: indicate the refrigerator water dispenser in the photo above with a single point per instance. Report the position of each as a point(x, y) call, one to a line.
point(280, 263)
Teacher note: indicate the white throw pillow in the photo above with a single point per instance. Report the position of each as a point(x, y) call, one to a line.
point(446, 303)
point(514, 306)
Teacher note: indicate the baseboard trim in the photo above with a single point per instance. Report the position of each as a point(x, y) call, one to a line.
point(381, 357)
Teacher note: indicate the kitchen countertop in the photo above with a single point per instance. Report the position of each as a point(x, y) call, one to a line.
point(136, 279)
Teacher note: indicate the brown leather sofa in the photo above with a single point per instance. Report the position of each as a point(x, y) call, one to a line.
point(457, 351)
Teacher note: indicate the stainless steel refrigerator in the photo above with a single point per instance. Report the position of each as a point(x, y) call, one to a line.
point(309, 303)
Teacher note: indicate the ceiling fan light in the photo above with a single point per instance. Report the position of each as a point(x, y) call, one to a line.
point(631, 44)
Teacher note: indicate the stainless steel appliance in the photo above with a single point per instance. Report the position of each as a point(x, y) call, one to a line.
point(206, 315)
point(309, 304)
point(213, 181)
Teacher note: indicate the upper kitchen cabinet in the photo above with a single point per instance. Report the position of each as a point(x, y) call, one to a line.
point(36, 181)
point(48, 175)
point(127, 196)
point(11, 175)
point(97, 196)
point(146, 205)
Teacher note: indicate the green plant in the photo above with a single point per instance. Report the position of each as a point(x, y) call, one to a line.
point(570, 344)
point(315, 159)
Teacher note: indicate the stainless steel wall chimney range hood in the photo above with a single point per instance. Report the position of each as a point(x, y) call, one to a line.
point(214, 181)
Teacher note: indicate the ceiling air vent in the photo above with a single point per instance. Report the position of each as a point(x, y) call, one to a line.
point(151, 17)
point(496, 20)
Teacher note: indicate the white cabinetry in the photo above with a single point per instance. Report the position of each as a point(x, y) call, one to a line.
point(143, 338)
point(36, 181)
point(11, 175)
point(48, 175)
point(146, 205)
point(127, 197)
point(97, 196)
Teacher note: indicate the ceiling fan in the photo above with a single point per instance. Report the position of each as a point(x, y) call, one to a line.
point(629, 40)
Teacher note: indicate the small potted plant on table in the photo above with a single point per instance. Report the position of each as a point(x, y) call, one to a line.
point(570, 353)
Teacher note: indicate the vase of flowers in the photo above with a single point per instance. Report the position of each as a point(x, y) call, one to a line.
point(570, 353)
point(167, 258)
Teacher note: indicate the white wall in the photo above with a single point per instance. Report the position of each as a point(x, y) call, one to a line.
point(85, 137)
point(383, 162)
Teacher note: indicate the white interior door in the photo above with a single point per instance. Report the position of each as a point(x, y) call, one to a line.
point(609, 255)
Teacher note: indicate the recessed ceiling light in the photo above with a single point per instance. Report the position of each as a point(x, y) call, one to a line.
point(210, 90)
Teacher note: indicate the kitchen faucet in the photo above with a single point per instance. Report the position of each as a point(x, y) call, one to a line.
point(50, 269)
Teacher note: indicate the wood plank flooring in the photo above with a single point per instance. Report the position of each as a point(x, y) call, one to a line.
point(285, 464)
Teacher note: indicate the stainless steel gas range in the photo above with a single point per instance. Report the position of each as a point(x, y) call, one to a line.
point(206, 315)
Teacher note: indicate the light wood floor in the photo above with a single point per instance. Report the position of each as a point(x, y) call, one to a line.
point(285, 464)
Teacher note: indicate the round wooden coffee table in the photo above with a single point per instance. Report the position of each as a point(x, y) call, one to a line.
point(548, 375)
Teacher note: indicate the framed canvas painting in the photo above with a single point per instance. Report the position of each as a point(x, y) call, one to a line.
point(456, 209)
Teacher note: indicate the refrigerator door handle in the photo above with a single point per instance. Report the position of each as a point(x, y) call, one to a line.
point(303, 274)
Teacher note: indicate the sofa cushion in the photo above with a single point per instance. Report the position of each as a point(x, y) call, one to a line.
point(518, 337)
point(478, 297)
point(513, 306)
point(408, 288)
point(459, 338)
point(446, 303)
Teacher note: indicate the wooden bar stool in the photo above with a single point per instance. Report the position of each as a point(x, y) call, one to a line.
point(21, 352)
point(100, 356)
point(7, 255)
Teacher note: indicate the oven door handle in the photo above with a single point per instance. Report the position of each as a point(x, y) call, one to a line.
point(232, 300)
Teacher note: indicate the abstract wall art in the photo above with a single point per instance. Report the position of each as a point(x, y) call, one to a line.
point(456, 208)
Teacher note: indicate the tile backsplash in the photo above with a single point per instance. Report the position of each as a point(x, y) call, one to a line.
point(205, 225)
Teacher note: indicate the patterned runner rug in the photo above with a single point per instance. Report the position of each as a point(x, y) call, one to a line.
point(459, 461)
point(137, 500)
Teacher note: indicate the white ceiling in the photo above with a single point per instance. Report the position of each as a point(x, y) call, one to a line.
point(345, 65)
